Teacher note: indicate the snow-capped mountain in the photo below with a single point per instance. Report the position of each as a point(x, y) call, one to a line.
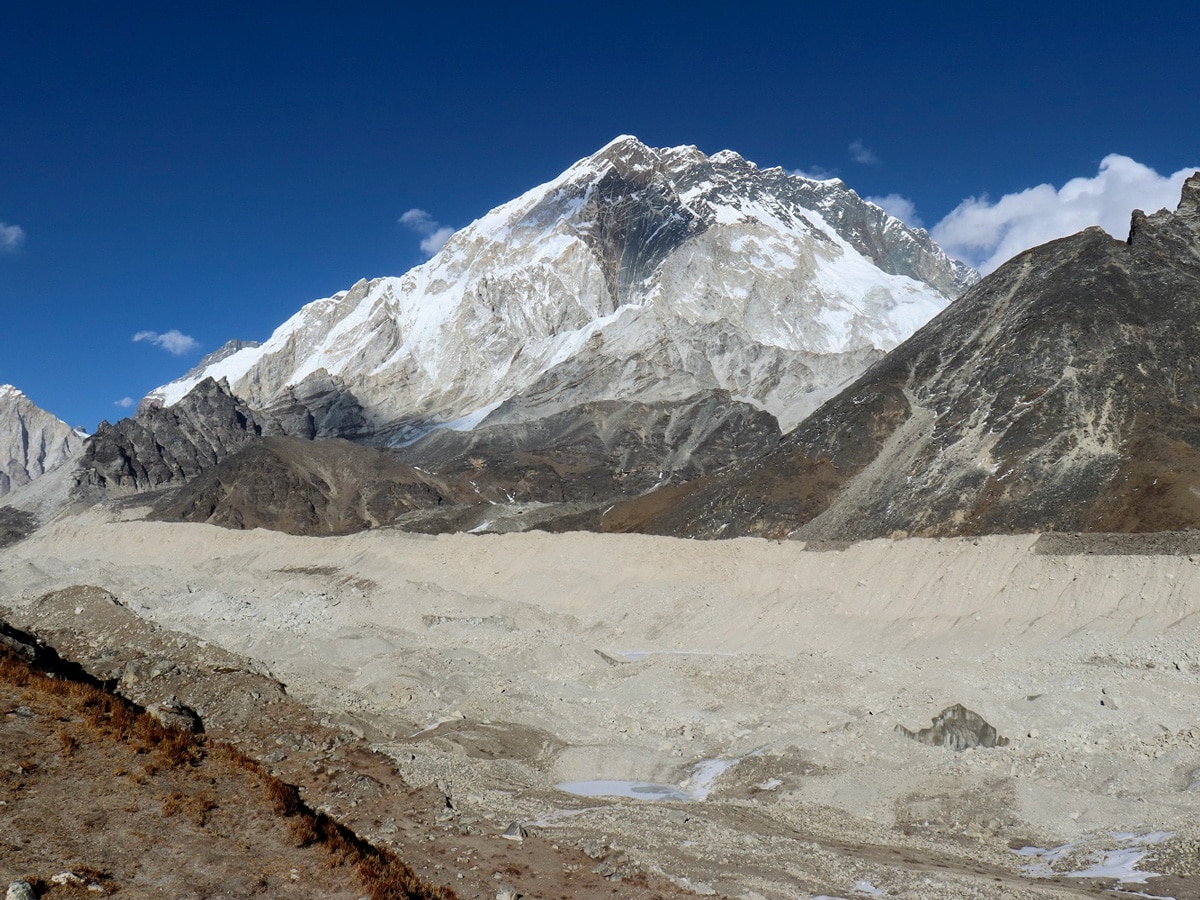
point(638, 274)
point(32, 442)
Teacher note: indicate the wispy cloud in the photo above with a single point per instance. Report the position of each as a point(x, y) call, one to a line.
point(11, 237)
point(985, 234)
point(816, 173)
point(899, 206)
point(124, 402)
point(173, 341)
point(861, 153)
point(433, 234)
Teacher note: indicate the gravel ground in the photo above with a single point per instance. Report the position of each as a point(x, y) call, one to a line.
point(756, 684)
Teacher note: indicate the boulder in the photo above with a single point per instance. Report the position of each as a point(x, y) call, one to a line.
point(957, 728)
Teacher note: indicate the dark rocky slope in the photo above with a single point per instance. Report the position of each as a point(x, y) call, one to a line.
point(556, 472)
point(160, 446)
point(1061, 393)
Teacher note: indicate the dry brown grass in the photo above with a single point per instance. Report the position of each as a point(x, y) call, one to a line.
point(106, 715)
point(382, 873)
point(195, 807)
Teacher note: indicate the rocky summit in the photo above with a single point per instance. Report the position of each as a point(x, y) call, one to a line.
point(1058, 394)
point(159, 446)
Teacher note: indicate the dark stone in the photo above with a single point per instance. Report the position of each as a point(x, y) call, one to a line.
point(15, 525)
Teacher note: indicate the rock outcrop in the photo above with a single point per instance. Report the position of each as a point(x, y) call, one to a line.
point(1058, 394)
point(171, 712)
point(957, 728)
point(161, 445)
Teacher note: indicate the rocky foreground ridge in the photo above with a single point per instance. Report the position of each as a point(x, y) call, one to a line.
point(1058, 394)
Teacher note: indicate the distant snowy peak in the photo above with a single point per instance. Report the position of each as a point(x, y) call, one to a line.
point(32, 442)
point(638, 273)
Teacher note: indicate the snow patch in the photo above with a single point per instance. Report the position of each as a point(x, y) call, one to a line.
point(1120, 864)
point(471, 420)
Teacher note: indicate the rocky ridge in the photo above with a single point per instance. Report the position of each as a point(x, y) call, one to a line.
point(1058, 394)
point(557, 472)
point(159, 446)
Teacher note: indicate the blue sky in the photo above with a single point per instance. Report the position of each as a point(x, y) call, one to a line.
point(199, 171)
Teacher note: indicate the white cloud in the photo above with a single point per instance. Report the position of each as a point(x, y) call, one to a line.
point(861, 153)
point(900, 207)
point(434, 242)
point(418, 220)
point(11, 237)
point(172, 341)
point(815, 173)
point(124, 402)
point(986, 234)
point(433, 234)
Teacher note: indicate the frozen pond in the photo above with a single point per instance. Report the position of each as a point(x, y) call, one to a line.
point(697, 787)
point(635, 790)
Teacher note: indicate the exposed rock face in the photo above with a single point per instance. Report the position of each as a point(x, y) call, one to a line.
point(320, 407)
point(638, 274)
point(164, 445)
point(306, 487)
point(957, 728)
point(601, 450)
point(32, 442)
point(566, 465)
point(1060, 393)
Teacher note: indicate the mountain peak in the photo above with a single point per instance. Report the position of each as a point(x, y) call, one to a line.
point(638, 273)
point(1189, 199)
point(1170, 230)
point(621, 140)
point(32, 441)
point(626, 152)
point(727, 156)
point(1058, 394)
